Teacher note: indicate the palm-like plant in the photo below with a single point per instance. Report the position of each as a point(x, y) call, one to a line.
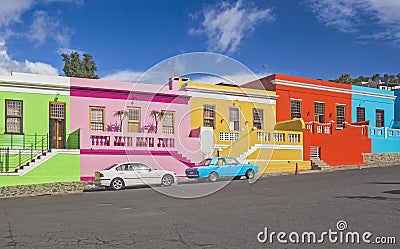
point(122, 114)
point(157, 116)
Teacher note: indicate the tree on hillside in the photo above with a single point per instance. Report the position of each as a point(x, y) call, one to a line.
point(360, 79)
point(75, 67)
point(376, 77)
point(344, 78)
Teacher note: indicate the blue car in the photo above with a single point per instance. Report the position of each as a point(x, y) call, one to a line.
point(219, 167)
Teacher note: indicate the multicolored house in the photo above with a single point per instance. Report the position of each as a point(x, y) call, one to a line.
point(37, 145)
point(59, 129)
point(241, 123)
point(329, 110)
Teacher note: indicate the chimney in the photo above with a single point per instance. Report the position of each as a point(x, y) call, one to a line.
point(175, 83)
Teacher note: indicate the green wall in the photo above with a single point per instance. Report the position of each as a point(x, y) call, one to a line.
point(35, 111)
point(60, 168)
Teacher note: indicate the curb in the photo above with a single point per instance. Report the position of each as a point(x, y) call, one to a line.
point(335, 168)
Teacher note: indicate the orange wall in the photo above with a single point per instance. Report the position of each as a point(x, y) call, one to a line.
point(335, 150)
point(334, 146)
point(308, 96)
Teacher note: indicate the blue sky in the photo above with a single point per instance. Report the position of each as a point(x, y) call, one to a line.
point(308, 38)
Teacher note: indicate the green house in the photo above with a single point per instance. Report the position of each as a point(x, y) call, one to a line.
point(36, 144)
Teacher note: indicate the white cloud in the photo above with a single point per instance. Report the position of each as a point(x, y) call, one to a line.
point(367, 19)
point(69, 51)
point(225, 24)
point(236, 79)
point(7, 64)
point(10, 11)
point(78, 2)
point(44, 27)
point(124, 75)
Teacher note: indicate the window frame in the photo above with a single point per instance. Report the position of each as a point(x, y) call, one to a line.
point(212, 108)
point(21, 117)
point(90, 117)
point(261, 122)
point(317, 116)
point(382, 124)
point(173, 122)
point(291, 108)
point(133, 121)
point(64, 104)
point(338, 124)
point(363, 113)
point(236, 108)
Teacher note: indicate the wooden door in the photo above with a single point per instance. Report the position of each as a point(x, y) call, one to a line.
point(57, 127)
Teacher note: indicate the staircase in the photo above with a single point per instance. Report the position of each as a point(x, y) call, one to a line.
point(318, 164)
point(38, 159)
point(22, 170)
point(243, 156)
point(178, 156)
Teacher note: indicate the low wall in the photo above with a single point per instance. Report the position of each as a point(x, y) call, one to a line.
point(372, 158)
point(41, 189)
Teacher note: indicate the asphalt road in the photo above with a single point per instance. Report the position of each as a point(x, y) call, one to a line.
point(368, 200)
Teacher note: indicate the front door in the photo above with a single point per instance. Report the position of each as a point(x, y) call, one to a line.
point(57, 125)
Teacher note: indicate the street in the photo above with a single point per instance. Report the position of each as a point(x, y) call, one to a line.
point(367, 200)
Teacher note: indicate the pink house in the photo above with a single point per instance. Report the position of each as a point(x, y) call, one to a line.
point(94, 110)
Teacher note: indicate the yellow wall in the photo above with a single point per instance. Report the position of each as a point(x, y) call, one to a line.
point(296, 124)
point(269, 160)
point(222, 112)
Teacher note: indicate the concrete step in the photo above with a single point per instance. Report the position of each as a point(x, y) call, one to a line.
point(318, 164)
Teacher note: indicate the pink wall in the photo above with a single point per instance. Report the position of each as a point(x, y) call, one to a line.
point(116, 96)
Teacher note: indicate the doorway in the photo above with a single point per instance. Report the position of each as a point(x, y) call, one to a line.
point(57, 127)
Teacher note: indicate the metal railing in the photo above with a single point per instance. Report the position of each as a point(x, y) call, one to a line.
point(18, 150)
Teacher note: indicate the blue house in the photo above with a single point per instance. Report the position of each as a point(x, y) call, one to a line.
point(378, 107)
point(397, 109)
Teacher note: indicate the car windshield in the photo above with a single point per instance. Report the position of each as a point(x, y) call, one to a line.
point(205, 162)
point(231, 160)
point(110, 167)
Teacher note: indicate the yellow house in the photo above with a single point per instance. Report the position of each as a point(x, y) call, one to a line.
point(243, 125)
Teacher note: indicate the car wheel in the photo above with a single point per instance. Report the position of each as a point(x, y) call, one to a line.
point(250, 174)
point(167, 180)
point(213, 177)
point(237, 178)
point(117, 184)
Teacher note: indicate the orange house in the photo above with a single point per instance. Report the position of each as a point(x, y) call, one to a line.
point(326, 109)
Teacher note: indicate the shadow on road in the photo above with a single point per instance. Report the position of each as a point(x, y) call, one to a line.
point(394, 192)
point(384, 183)
point(365, 197)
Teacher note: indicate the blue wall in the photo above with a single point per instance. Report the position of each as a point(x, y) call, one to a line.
point(372, 103)
point(397, 106)
point(384, 139)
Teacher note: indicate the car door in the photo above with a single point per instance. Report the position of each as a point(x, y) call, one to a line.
point(233, 166)
point(146, 174)
point(130, 176)
point(223, 169)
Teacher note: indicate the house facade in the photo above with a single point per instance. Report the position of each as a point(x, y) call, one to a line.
point(397, 109)
point(123, 121)
point(35, 110)
point(377, 108)
point(337, 116)
point(242, 123)
point(325, 107)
